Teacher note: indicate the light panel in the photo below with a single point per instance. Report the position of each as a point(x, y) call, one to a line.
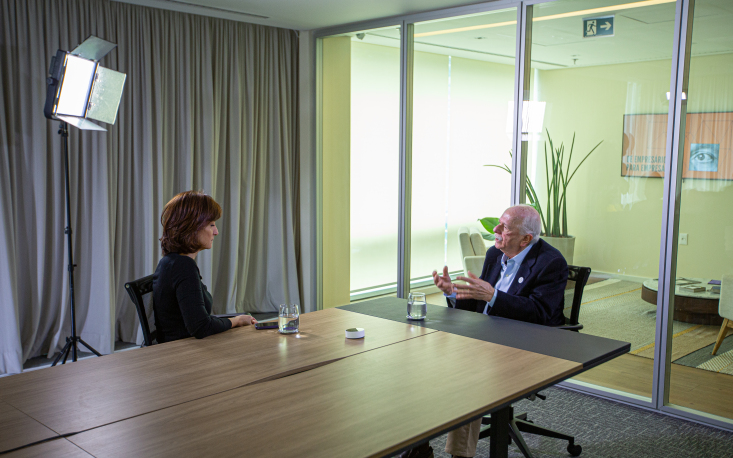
point(75, 86)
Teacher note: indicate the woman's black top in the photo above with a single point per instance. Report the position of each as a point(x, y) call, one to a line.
point(181, 302)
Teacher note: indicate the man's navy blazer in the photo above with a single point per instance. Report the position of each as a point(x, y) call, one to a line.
point(536, 295)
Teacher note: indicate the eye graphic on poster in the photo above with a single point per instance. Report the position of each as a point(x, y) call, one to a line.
point(707, 153)
point(704, 157)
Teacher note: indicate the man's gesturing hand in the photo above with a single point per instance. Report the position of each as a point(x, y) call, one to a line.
point(475, 288)
point(443, 282)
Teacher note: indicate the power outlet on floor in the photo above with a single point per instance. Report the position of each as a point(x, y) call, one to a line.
point(683, 239)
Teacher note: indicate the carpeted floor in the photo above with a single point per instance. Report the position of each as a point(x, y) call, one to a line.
point(607, 429)
point(614, 308)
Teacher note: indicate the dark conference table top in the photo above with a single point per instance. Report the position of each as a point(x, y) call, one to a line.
point(585, 349)
point(154, 401)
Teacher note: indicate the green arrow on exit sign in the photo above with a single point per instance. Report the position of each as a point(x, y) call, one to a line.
point(598, 27)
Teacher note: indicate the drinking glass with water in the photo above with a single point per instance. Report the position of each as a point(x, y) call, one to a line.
point(288, 319)
point(417, 308)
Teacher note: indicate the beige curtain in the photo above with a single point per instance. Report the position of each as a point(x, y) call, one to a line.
point(208, 104)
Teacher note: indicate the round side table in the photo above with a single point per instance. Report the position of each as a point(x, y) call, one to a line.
point(690, 307)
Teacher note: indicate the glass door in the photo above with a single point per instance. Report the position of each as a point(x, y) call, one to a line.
point(595, 143)
point(463, 94)
point(702, 342)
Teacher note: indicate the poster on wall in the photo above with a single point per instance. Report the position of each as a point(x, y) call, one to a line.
point(708, 146)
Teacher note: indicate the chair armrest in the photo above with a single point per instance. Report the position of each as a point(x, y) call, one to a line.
point(571, 327)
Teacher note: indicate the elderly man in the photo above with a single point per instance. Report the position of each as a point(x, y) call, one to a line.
point(523, 278)
point(528, 275)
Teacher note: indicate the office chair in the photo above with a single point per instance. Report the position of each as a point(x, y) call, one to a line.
point(580, 276)
point(137, 289)
point(519, 423)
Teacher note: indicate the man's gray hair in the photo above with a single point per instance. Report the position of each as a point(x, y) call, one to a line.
point(528, 221)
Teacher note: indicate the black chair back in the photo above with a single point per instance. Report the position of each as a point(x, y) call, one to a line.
point(580, 276)
point(137, 290)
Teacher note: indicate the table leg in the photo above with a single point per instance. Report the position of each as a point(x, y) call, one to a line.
point(499, 442)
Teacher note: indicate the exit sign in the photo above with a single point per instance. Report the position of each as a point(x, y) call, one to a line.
point(598, 27)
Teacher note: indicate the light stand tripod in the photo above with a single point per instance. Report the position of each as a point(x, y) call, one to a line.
point(79, 88)
point(71, 342)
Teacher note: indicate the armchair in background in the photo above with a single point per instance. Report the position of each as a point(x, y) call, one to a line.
point(473, 250)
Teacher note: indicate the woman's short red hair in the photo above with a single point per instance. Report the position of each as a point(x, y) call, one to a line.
point(183, 217)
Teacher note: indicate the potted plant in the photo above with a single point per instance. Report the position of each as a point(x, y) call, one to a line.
point(554, 215)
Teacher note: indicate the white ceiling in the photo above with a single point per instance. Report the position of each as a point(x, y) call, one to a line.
point(302, 14)
point(642, 34)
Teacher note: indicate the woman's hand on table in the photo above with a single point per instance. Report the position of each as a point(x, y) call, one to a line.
point(242, 320)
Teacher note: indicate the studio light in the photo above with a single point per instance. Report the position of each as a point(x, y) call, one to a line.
point(80, 89)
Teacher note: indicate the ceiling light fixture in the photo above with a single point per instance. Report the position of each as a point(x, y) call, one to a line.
point(464, 29)
point(588, 12)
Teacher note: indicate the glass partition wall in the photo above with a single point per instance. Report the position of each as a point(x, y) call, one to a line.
point(360, 79)
point(605, 114)
point(425, 103)
point(701, 371)
point(463, 91)
point(375, 97)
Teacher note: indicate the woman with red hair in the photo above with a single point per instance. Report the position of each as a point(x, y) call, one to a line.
point(181, 302)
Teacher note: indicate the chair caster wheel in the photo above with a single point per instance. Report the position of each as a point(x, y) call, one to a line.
point(574, 449)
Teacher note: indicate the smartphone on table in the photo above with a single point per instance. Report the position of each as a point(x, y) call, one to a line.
point(269, 324)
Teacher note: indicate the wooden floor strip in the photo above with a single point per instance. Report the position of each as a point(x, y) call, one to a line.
point(693, 388)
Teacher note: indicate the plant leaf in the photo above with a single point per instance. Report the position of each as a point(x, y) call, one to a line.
point(503, 167)
point(570, 159)
point(489, 223)
point(547, 182)
point(535, 202)
point(586, 157)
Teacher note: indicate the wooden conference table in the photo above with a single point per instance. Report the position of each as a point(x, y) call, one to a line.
point(259, 393)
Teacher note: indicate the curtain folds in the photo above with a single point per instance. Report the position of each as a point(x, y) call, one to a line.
point(208, 104)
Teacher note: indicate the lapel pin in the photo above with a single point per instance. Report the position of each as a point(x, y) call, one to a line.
point(521, 279)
